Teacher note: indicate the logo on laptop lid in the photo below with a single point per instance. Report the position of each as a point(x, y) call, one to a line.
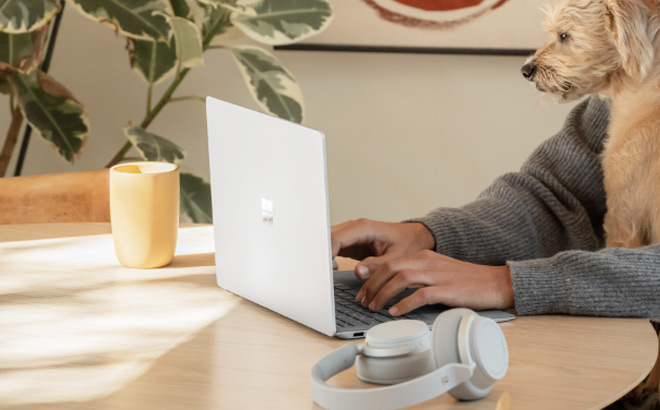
point(266, 210)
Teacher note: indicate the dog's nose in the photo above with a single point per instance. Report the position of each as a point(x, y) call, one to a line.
point(528, 70)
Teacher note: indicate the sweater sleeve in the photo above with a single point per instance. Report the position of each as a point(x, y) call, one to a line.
point(608, 282)
point(554, 203)
point(545, 222)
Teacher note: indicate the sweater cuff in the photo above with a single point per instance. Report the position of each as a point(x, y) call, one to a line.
point(445, 235)
point(540, 286)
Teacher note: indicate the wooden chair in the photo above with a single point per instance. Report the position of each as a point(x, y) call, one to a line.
point(67, 197)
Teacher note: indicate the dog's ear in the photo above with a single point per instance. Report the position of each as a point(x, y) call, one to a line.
point(628, 22)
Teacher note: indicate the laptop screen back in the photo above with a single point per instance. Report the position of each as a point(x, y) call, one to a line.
point(270, 213)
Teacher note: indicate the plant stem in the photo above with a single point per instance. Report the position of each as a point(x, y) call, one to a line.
point(167, 97)
point(188, 98)
point(151, 115)
point(150, 92)
point(12, 137)
point(119, 155)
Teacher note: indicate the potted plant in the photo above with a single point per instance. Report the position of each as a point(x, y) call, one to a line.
point(166, 40)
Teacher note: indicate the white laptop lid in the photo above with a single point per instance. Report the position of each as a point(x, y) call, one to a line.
point(270, 213)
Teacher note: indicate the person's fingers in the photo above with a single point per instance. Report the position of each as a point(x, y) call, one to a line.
point(365, 268)
point(403, 280)
point(350, 244)
point(422, 297)
point(339, 226)
point(388, 269)
point(376, 280)
point(353, 239)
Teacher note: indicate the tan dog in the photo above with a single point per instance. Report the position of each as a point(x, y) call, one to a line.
point(611, 47)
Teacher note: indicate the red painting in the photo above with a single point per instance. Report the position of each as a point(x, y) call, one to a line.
point(462, 11)
point(431, 5)
point(485, 26)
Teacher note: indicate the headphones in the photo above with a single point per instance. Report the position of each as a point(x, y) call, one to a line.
point(464, 355)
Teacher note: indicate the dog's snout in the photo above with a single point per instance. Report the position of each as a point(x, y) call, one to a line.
point(528, 70)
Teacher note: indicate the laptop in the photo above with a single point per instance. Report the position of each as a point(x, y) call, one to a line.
point(272, 225)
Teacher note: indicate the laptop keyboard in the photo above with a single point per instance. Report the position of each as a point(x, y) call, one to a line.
point(349, 313)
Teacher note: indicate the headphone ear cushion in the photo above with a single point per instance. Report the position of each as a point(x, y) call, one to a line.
point(444, 337)
point(444, 342)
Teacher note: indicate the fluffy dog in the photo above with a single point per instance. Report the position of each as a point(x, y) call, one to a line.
point(611, 47)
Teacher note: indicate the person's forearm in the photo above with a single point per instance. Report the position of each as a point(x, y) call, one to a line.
point(555, 203)
point(611, 282)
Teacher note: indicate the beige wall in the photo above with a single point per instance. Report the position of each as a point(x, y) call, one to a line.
point(405, 133)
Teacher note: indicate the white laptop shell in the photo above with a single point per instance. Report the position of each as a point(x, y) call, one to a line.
point(270, 213)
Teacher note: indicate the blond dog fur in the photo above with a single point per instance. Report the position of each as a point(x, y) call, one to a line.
point(611, 47)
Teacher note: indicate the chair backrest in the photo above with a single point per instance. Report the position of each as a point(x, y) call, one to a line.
point(67, 197)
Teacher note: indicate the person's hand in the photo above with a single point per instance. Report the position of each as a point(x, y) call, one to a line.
point(441, 279)
point(374, 242)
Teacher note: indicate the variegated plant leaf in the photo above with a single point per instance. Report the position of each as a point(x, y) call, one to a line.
point(51, 109)
point(217, 24)
point(182, 8)
point(138, 19)
point(224, 3)
point(269, 82)
point(14, 48)
point(278, 22)
point(192, 10)
point(153, 61)
point(151, 147)
point(188, 42)
point(211, 19)
point(195, 195)
point(22, 16)
point(23, 52)
point(232, 6)
point(213, 3)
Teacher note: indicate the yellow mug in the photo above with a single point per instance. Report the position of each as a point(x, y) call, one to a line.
point(144, 212)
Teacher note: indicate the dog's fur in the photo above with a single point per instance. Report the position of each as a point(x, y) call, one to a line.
point(612, 48)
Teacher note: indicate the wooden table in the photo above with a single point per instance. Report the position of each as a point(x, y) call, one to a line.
point(78, 331)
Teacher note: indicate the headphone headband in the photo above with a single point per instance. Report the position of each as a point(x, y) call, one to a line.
point(468, 354)
point(391, 397)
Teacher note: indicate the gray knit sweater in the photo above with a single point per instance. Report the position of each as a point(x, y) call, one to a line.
point(546, 221)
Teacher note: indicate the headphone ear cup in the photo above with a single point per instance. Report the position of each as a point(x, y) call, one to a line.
point(393, 370)
point(444, 342)
point(444, 337)
point(489, 351)
point(380, 362)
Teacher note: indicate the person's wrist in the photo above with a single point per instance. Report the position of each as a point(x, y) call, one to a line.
point(505, 287)
point(423, 236)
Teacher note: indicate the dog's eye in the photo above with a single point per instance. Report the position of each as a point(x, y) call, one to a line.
point(563, 37)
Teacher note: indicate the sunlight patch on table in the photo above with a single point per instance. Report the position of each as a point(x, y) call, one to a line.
point(93, 256)
point(85, 331)
point(96, 341)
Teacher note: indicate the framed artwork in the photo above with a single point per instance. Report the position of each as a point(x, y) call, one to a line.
point(504, 27)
